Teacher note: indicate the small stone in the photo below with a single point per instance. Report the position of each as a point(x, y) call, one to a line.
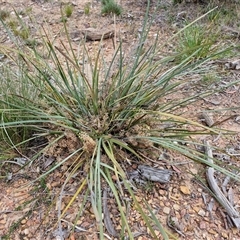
point(196, 209)
point(156, 232)
point(174, 190)
point(235, 231)
point(167, 204)
point(139, 199)
point(212, 231)
point(166, 210)
point(224, 234)
point(118, 227)
point(185, 190)
point(161, 192)
point(176, 207)
point(202, 225)
point(201, 212)
point(3, 221)
point(26, 231)
point(161, 204)
point(183, 212)
point(114, 178)
point(23, 221)
point(79, 222)
point(190, 228)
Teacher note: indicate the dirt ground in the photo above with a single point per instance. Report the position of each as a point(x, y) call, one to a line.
point(29, 212)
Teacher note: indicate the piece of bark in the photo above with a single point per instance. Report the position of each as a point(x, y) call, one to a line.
point(232, 212)
point(154, 174)
point(93, 34)
point(208, 119)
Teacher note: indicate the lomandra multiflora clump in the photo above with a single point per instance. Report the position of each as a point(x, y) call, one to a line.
point(97, 124)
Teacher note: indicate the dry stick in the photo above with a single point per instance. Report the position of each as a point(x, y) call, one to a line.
point(107, 220)
point(232, 212)
point(224, 120)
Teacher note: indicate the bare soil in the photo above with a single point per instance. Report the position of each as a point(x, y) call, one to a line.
point(185, 206)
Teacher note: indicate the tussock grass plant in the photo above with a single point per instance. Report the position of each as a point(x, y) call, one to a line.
point(100, 121)
point(200, 38)
point(18, 27)
point(68, 10)
point(111, 7)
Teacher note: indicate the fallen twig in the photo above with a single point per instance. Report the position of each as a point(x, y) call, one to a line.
point(107, 220)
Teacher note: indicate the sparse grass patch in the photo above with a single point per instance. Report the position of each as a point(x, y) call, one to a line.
point(18, 28)
point(198, 40)
point(209, 78)
point(4, 14)
point(24, 12)
point(12, 23)
point(22, 33)
point(226, 13)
